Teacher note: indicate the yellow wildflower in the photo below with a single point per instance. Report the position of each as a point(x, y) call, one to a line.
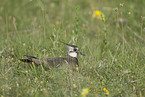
point(117, 89)
point(10, 88)
point(132, 76)
point(107, 92)
point(47, 81)
point(6, 78)
point(41, 82)
point(84, 92)
point(57, 22)
point(120, 65)
point(132, 71)
point(77, 68)
point(104, 89)
point(98, 13)
point(19, 61)
point(74, 85)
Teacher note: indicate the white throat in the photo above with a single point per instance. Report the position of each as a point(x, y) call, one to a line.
point(73, 54)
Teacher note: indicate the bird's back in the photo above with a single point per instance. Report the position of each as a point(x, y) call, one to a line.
point(57, 61)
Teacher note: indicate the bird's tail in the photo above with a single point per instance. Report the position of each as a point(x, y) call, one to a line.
point(29, 59)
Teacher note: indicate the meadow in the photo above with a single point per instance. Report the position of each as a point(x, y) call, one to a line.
point(111, 33)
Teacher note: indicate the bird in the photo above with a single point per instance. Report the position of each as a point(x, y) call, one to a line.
point(71, 58)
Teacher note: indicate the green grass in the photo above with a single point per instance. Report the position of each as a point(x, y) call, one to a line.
point(115, 51)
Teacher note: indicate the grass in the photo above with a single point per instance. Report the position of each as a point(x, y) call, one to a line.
point(114, 64)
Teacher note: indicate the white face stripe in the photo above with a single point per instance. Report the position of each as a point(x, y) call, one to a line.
point(70, 48)
point(73, 54)
point(72, 51)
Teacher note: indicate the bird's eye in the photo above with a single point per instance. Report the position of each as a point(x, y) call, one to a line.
point(75, 49)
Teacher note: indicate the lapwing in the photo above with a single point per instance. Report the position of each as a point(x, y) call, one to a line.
point(71, 58)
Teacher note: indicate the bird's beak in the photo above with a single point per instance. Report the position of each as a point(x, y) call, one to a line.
point(81, 53)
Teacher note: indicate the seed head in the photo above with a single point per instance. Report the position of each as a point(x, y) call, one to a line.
point(121, 5)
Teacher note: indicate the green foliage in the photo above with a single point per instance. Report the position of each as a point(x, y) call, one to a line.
point(114, 46)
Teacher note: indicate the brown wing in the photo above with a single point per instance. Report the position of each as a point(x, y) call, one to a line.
point(29, 59)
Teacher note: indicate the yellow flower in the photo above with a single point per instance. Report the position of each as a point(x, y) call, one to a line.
point(117, 89)
point(107, 92)
point(132, 76)
point(74, 85)
point(6, 78)
point(98, 13)
point(47, 81)
point(19, 61)
point(84, 92)
point(104, 89)
point(41, 82)
point(77, 68)
point(57, 22)
point(10, 88)
point(120, 65)
point(132, 71)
